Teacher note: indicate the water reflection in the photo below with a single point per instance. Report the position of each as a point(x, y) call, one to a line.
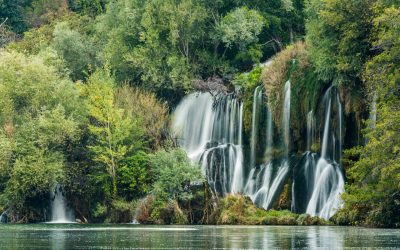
point(199, 237)
point(58, 239)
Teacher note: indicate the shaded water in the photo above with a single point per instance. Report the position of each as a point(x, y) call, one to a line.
point(48, 236)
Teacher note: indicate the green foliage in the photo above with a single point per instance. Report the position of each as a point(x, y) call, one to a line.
point(21, 15)
point(337, 35)
point(39, 118)
point(241, 210)
point(134, 176)
point(240, 28)
point(88, 7)
point(163, 40)
point(372, 197)
point(162, 46)
point(156, 211)
point(75, 49)
point(121, 211)
point(150, 112)
point(44, 11)
point(115, 134)
point(174, 175)
point(13, 12)
point(249, 80)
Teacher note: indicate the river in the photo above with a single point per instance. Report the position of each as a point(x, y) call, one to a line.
point(75, 236)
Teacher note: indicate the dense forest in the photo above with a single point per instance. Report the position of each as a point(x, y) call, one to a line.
point(88, 89)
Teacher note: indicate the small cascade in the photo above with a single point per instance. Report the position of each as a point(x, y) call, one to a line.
point(328, 177)
point(286, 117)
point(3, 217)
point(303, 181)
point(135, 222)
point(269, 136)
point(372, 113)
point(311, 125)
point(59, 210)
point(303, 178)
point(255, 121)
point(209, 128)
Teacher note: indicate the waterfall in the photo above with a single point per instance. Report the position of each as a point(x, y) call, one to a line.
point(3, 217)
point(264, 190)
point(286, 117)
point(269, 135)
point(328, 178)
point(59, 210)
point(209, 128)
point(372, 113)
point(255, 120)
point(311, 124)
point(303, 179)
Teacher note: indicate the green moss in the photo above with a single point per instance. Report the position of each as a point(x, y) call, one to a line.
point(293, 64)
point(240, 210)
point(308, 220)
point(247, 82)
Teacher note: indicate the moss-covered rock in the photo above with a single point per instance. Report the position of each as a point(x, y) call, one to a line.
point(293, 64)
point(155, 211)
point(240, 210)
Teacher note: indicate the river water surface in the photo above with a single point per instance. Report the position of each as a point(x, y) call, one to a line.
point(74, 236)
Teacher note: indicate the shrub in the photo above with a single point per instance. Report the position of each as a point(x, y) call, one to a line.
point(151, 113)
point(175, 175)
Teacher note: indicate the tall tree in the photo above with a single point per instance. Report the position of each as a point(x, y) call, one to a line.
point(115, 134)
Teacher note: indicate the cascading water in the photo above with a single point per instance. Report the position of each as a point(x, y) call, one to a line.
point(3, 217)
point(255, 120)
point(263, 186)
point(269, 135)
point(372, 114)
point(311, 124)
point(303, 179)
point(59, 210)
point(209, 129)
point(328, 177)
point(286, 117)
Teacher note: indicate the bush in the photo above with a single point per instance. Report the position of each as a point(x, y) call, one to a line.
point(151, 113)
point(121, 211)
point(144, 210)
point(174, 175)
point(152, 211)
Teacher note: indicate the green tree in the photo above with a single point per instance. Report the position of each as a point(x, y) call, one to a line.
point(338, 38)
point(115, 134)
point(39, 119)
point(88, 7)
point(373, 197)
point(240, 28)
point(12, 12)
point(152, 115)
point(76, 50)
